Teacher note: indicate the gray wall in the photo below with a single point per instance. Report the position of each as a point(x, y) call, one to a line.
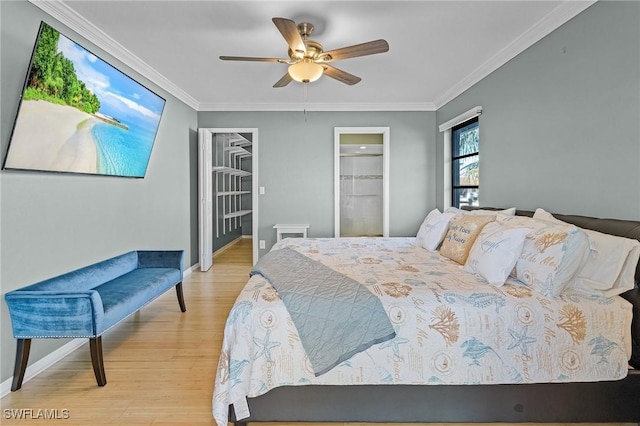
point(296, 165)
point(53, 223)
point(560, 127)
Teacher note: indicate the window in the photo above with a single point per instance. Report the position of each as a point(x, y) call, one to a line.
point(465, 170)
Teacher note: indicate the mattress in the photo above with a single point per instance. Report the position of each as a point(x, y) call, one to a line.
point(451, 328)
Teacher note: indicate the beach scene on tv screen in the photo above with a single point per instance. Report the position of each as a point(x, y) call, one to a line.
point(79, 114)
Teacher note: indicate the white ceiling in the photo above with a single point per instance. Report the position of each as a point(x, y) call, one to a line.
point(437, 48)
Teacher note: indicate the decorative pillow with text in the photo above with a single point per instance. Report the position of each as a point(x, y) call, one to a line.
point(463, 231)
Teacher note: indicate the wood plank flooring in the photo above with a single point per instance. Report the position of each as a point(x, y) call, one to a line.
point(160, 363)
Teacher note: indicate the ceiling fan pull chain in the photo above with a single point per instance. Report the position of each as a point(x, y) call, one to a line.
point(304, 100)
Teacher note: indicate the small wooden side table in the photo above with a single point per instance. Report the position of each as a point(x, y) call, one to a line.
point(288, 228)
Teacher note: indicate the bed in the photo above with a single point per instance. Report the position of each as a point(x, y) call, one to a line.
point(461, 350)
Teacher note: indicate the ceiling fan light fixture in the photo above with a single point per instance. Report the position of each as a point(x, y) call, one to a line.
point(305, 71)
point(307, 59)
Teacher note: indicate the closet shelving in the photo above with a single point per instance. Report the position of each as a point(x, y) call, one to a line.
point(231, 184)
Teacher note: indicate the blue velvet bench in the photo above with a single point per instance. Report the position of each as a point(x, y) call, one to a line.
point(89, 301)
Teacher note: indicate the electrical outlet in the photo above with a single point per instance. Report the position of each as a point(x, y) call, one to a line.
point(262, 244)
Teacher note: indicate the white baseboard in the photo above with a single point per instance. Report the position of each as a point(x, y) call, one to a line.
point(57, 355)
point(190, 270)
point(228, 245)
point(43, 363)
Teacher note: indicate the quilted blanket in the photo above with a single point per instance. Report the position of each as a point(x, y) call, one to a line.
point(336, 316)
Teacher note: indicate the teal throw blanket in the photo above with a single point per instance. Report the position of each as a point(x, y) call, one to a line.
point(336, 316)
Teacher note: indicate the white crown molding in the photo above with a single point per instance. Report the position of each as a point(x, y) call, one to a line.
point(561, 14)
point(69, 17)
point(554, 19)
point(422, 106)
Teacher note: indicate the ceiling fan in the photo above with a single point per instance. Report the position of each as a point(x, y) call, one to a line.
point(307, 60)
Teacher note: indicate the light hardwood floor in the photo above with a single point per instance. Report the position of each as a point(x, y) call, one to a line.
point(160, 363)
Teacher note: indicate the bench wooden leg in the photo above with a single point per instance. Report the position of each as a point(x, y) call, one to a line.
point(95, 345)
point(183, 307)
point(22, 357)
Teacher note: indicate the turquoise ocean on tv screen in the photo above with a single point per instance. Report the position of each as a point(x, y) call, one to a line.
point(123, 152)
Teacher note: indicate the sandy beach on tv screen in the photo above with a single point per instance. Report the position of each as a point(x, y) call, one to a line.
point(52, 137)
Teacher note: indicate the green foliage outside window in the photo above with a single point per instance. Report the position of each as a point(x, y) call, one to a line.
point(469, 144)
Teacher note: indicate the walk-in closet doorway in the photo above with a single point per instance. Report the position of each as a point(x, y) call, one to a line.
point(227, 189)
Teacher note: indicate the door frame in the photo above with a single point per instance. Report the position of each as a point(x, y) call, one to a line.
point(386, 140)
point(205, 190)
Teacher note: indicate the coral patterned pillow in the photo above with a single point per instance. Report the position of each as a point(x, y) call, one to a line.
point(552, 254)
point(609, 265)
point(463, 231)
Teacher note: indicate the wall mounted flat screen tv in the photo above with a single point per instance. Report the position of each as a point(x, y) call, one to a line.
point(78, 114)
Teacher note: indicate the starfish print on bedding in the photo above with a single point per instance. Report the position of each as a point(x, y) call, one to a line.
point(521, 340)
point(394, 344)
point(265, 346)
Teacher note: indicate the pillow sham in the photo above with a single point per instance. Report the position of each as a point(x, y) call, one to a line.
point(611, 265)
point(495, 252)
point(610, 262)
point(551, 256)
point(462, 233)
point(433, 229)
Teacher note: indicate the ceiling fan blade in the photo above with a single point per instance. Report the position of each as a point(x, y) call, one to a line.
point(340, 75)
point(286, 79)
point(289, 31)
point(363, 49)
point(252, 59)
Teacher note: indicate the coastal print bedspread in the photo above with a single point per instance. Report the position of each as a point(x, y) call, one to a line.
point(451, 328)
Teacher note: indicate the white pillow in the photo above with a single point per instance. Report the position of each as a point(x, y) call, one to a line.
point(433, 229)
point(610, 265)
point(542, 214)
point(495, 252)
point(552, 254)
